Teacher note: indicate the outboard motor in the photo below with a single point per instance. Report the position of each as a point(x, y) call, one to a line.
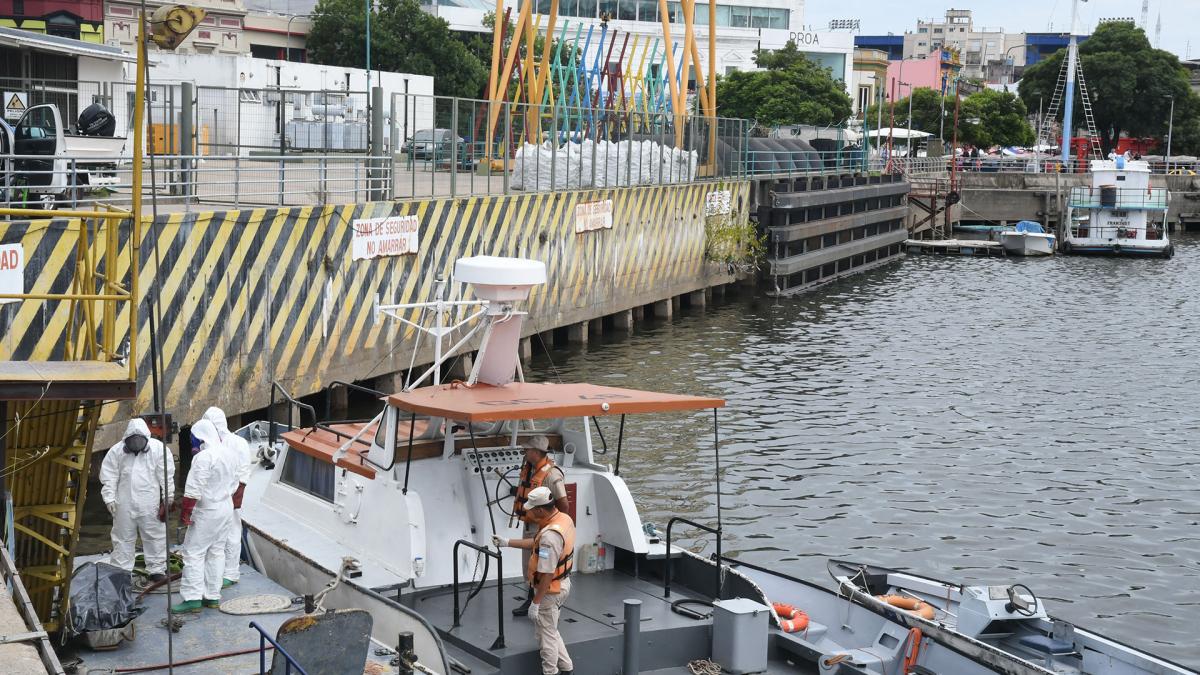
point(96, 120)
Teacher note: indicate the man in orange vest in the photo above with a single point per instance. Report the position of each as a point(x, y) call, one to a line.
point(539, 469)
point(549, 574)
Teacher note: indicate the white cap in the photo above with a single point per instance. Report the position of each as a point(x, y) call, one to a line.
point(539, 496)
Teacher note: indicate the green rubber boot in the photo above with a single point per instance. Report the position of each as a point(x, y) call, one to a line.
point(211, 603)
point(186, 607)
point(226, 583)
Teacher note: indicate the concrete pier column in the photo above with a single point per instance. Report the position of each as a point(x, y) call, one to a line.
point(623, 321)
point(388, 384)
point(662, 309)
point(676, 305)
point(596, 327)
point(577, 333)
point(461, 367)
point(639, 313)
point(717, 292)
point(339, 402)
point(697, 299)
point(526, 349)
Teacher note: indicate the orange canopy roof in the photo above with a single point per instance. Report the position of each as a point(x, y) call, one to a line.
point(540, 400)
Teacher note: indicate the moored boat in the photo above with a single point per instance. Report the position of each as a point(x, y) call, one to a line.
point(1027, 239)
point(1120, 213)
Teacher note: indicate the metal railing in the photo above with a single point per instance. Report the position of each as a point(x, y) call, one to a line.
point(499, 643)
point(293, 405)
point(1123, 199)
point(1025, 164)
point(717, 586)
point(182, 182)
point(288, 662)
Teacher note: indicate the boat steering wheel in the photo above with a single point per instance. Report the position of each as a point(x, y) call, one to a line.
point(505, 493)
point(1019, 605)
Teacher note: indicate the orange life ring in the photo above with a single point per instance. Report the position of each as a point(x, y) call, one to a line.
point(911, 605)
point(791, 620)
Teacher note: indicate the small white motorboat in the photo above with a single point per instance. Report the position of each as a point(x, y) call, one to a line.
point(1028, 238)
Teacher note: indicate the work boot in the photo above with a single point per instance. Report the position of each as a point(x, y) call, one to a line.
point(226, 583)
point(211, 603)
point(523, 609)
point(186, 607)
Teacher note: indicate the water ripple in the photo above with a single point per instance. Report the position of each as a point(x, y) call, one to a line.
point(984, 420)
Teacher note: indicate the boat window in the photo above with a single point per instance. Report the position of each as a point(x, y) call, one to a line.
point(308, 474)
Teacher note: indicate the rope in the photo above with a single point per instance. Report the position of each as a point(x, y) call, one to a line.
point(704, 667)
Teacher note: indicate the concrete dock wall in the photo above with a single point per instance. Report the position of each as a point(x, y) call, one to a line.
point(1010, 197)
point(255, 295)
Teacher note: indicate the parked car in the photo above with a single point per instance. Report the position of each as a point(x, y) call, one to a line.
point(436, 145)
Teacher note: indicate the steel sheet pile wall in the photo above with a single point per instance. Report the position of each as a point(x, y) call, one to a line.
point(252, 295)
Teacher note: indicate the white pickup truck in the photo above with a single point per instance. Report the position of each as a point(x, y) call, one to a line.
point(44, 163)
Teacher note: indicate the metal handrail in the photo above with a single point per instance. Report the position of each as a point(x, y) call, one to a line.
point(275, 386)
point(350, 386)
point(667, 571)
point(499, 643)
point(263, 639)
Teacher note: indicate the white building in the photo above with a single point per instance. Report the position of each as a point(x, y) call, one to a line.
point(986, 53)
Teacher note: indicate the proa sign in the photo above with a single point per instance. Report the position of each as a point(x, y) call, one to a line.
point(805, 38)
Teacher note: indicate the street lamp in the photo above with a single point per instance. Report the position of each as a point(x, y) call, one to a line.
point(1012, 68)
point(1170, 131)
point(287, 54)
point(910, 98)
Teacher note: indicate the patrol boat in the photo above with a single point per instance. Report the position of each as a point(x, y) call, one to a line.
point(1119, 213)
point(401, 508)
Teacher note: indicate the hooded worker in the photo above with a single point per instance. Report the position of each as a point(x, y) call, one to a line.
point(233, 538)
point(136, 491)
point(208, 512)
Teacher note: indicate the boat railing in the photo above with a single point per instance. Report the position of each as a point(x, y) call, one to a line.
point(499, 643)
point(290, 664)
point(1086, 230)
point(293, 404)
point(1114, 198)
point(667, 570)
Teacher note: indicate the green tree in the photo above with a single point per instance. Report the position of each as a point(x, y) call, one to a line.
point(1003, 120)
point(926, 112)
point(1130, 84)
point(789, 90)
point(404, 39)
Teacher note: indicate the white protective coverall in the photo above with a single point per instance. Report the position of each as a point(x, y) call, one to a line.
point(133, 484)
point(233, 540)
point(211, 482)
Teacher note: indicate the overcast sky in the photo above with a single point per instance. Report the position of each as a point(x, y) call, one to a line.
point(1180, 18)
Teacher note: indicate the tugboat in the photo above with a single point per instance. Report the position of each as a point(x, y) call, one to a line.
point(402, 508)
point(1119, 214)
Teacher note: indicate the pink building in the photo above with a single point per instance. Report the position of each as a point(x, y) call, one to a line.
point(937, 71)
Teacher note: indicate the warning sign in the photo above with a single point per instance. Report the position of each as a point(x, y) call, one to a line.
point(591, 216)
point(375, 237)
point(15, 104)
point(12, 270)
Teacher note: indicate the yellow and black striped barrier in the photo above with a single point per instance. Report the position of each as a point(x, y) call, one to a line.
point(253, 295)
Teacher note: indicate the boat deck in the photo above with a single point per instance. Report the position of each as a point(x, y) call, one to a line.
point(592, 625)
point(206, 633)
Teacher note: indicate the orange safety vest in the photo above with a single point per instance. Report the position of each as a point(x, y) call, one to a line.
point(562, 524)
point(531, 477)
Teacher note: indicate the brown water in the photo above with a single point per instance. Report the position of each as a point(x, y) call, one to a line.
point(978, 420)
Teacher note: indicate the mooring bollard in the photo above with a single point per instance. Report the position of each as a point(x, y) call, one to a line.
point(633, 637)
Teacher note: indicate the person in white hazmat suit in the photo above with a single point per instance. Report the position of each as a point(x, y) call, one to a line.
point(207, 511)
point(132, 486)
point(233, 539)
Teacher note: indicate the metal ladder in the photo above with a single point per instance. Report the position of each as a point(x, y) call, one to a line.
point(1093, 136)
point(1049, 123)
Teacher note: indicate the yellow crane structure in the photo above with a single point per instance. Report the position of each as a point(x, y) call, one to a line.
point(49, 409)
